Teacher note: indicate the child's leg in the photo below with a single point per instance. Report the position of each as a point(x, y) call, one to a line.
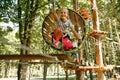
point(67, 44)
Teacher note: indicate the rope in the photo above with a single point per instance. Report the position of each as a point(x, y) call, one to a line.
point(55, 59)
point(6, 41)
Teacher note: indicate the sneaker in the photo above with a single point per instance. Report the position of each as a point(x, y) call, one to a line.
point(74, 55)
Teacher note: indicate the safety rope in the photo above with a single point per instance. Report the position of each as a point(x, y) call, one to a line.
point(55, 59)
point(6, 41)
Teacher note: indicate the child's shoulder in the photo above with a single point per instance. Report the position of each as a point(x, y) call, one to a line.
point(69, 22)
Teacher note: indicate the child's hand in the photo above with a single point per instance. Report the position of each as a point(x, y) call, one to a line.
point(64, 35)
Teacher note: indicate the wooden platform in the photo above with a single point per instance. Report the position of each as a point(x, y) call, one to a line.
point(95, 68)
point(96, 33)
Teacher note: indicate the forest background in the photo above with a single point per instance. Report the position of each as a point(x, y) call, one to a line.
point(26, 18)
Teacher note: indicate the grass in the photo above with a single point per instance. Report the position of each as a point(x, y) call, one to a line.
point(72, 77)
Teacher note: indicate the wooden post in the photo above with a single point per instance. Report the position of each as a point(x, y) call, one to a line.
point(79, 73)
point(119, 44)
point(98, 45)
point(75, 4)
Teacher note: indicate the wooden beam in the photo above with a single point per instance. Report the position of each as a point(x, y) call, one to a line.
point(37, 57)
point(44, 62)
point(24, 57)
point(96, 33)
point(98, 44)
point(95, 68)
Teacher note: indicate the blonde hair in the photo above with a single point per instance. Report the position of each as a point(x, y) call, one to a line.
point(66, 10)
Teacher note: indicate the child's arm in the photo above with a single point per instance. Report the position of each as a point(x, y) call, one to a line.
point(74, 32)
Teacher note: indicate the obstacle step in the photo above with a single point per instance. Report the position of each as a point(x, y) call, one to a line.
point(96, 33)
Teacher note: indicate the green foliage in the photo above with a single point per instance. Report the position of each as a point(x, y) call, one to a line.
point(9, 12)
point(4, 32)
point(5, 6)
point(118, 57)
point(4, 49)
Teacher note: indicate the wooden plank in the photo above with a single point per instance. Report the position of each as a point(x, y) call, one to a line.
point(72, 17)
point(95, 68)
point(51, 24)
point(36, 57)
point(53, 17)
point(96, 33)
point(47, 37)
point(24, 57)
point(46, 28)
point(44, 62)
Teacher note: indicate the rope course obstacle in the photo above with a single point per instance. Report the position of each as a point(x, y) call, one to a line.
point(49, 25)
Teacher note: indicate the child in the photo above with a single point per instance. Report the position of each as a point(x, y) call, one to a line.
point(65, 25)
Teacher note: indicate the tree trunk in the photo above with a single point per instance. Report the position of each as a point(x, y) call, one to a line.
point(45, 71)
point(79, 74)
point(22, 70)
point(75, 4)
point(66, 72)
point(91, 75)
point(25, 31)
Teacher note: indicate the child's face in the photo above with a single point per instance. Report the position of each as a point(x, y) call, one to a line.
point(63, 14)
